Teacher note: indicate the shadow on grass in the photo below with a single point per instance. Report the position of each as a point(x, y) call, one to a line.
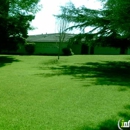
point(125, 114)
point(110, 124)
point(5, 60)
point(103, 73)
point(106, 125)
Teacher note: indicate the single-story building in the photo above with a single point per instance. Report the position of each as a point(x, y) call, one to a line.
point(84, 49)
point(48, 44)
point(97, 50)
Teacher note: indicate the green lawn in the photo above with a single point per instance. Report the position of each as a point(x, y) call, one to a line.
point(89, 92)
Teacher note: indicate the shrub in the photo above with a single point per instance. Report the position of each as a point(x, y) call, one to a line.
point(30, 48)
point(67, 51)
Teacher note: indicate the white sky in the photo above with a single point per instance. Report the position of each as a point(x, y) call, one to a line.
point(45, 22)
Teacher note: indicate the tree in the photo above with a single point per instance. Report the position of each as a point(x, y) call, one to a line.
point(83, 17)
point(62, 25)
point(120, 22)
point(112, 22)
point(15, 17)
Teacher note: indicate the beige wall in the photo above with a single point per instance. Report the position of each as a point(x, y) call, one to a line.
point(52, 48)
point(44, 48)
point(97, 50)
point(128, 51)
point(76, 48)
point(48, 48)
point(106, 50)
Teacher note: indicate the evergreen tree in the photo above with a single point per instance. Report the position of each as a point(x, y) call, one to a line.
point(15, 17)
point(110, 25)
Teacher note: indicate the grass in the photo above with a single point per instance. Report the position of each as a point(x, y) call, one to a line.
point(75, 93)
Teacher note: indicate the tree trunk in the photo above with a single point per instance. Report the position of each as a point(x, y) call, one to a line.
point(4, 11)
point(59, 50)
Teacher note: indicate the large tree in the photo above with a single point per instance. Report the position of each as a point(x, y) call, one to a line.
point(110, 25)
point(120, 18)
point(15, 17)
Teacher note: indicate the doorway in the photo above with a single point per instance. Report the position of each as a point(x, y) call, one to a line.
point(84, 49)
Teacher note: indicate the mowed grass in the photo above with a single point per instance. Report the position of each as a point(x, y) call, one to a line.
point(88, 92)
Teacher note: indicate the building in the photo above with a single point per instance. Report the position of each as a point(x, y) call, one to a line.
point(48, 44)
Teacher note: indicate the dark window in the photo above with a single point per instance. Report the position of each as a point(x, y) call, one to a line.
point(85, 49)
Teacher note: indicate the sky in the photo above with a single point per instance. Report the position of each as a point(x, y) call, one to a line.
point(45, 22)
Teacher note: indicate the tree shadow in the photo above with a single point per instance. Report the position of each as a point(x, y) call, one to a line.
point(103, 73)
point(106, 125)
point(125, 114)
point(110, 124)
point(5, 60)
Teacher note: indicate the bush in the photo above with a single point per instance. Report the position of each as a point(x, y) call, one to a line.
point(67, 51)
point(30, 48)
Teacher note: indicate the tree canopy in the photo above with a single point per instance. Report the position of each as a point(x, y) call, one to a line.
point(15, 17)
point(110, 25)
